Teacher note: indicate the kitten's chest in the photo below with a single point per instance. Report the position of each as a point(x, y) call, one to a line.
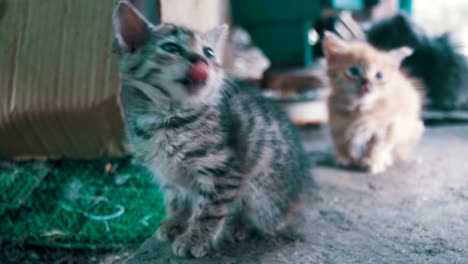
point(358, 125)
point(161, 154)
point(164, 148)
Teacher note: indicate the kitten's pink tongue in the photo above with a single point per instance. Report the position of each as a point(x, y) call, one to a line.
point(199, 71)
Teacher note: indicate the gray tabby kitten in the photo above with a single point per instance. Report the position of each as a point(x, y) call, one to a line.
point(229, 161)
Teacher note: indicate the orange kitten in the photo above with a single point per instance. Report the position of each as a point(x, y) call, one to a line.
point(374, 109)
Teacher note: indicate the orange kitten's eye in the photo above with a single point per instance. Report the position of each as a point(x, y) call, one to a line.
point(353, 71)
point(379, 76)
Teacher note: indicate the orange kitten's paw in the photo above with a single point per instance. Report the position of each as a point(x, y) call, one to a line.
point(169, 229)
point(343, 161)
point(373, 166)
point(377, 167)
point(378, 164)
point(190, 244)
point(419, 128)
point(389, 162)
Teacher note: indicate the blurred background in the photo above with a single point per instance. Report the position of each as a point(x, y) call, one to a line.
point(69, 190)
point(436, 21)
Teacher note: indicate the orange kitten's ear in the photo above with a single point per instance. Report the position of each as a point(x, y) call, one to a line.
point(333, 45)
point(398, 55)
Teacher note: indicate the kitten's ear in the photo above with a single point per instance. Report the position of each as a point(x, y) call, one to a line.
point(131, 29)
point(398, 55)
point(217, 35)
point(333, 46)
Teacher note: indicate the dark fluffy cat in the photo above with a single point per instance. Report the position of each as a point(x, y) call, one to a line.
point(228, 160)
point(436, 61)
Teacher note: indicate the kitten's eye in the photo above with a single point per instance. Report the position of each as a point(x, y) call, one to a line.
point(209, 53)
point(353, 71)
point(379, 76)
point(171, 47)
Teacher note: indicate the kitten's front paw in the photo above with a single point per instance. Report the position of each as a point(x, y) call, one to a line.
point(191, 244)
point(241, 232)
point(377, 165)
point(377, 168)
point(236, 232)
point(169, 229)
point(343, 161)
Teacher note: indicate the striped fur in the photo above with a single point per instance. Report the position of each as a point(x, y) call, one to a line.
point(228, 160)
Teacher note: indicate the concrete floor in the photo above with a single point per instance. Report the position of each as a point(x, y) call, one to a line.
point(415, 213)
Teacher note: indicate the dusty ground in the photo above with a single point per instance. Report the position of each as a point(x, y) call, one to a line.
point(415, 213)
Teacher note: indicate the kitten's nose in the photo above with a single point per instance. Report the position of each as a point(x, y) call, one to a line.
point(194, 58)
point(365, 88)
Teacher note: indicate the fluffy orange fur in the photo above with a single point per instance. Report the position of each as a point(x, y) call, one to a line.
point(374, 108)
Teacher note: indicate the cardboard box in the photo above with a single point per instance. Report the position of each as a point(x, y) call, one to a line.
point(59, 83)
point(58, 80)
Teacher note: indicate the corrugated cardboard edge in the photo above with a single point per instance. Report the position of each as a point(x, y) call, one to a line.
point(59, 93)
point(70, 133)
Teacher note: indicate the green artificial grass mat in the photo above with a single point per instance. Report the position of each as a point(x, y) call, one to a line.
point(84, 204)
point(17, 182)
